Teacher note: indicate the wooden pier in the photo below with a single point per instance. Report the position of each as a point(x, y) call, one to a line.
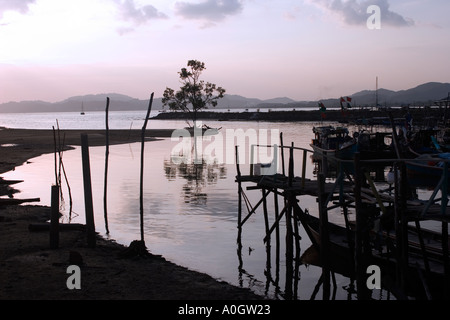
point(385, 230)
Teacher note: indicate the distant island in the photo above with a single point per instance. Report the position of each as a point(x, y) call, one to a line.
point(424, 95)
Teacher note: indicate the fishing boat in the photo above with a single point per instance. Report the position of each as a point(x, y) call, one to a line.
point(82, 109)
point(334, 142)
point(374, 145)
point(342, 253)
point(428, 169)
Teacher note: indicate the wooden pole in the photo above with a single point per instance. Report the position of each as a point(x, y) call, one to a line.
point(444, 228)
point(404, 224)
point(282, 154)
point(54, 224)
point(277, 234)
point(289, 248)
point(56, 151)
point(291, 165)
point(445, 253)
point(397, 228)
point(267, 228)
point(324, 237)
point(238, 178)
point(142, 167)
point(304, 169)
point(360, 264)
point(252, 154)
point(105, 193)
point(266, 218)
point(89, 208)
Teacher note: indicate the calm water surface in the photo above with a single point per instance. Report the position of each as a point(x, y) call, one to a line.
point(190, 210)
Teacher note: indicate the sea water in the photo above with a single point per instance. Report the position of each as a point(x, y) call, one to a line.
point(190, 211)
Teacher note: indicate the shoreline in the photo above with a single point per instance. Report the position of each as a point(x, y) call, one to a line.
point(19, 145)
point(30, 270)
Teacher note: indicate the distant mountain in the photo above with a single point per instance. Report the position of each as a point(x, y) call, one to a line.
point(424, 94)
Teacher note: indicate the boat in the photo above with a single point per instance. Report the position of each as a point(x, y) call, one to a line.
point(428, 169)
point(342, 254)
point(374, 145)
point(334, 142)
point(82, 109)
point(204, 130)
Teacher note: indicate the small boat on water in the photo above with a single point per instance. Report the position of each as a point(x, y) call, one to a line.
point(333, 141)
point(204, 130)
point(82, 109)
point(341, 253)
point(428, 168)
point(337, 142)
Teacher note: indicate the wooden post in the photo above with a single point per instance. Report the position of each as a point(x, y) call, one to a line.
point(142, 167)
point(282, 154)
point(238, 178)
point(304, 169)
point(360, 263)
point(404, 221)
point(277, 233)
point(252, 154)
point(325, 163)
point(54, 224)
point(291, 165)
point(394, 136)
point(105, 193)
point(289, 248)
point(266, 218)
point(267, 228)
point(89, 208)
point(445, 253)
point(445, 250)
point(397, 228)
point(324, 237)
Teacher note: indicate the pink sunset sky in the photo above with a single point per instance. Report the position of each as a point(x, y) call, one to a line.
point(303, 49)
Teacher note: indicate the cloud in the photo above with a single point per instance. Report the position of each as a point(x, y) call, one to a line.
point(209, 10)
point(138, 15)
point(354, 12)
point(128, 11)
point(14, 5)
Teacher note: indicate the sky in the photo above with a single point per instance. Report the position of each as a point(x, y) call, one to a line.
point(302, 49)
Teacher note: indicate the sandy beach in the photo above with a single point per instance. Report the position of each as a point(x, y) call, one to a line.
point(31, 270)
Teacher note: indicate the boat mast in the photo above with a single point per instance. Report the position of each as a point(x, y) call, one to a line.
point(376, 93)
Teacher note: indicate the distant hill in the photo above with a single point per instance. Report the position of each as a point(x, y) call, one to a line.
point(424, 94)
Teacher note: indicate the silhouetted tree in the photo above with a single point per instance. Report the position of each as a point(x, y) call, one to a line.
point(195, 94)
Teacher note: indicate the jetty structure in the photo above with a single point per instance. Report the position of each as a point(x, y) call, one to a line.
point(382, 222)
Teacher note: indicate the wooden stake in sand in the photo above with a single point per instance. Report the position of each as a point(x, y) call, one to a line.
point(105, 198)
point(89, 208)
point(54, 224)
point(142, 167)
point(137, 248)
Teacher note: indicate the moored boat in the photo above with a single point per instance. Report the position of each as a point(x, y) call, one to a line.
point(428, 169)
point(341, 255)
point(334, 142)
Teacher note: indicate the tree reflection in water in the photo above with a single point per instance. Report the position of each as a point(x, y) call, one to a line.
point(198, 173)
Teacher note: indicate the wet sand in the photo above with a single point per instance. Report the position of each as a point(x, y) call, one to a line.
point(30, 270)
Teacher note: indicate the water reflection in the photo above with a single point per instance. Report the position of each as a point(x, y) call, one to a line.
point(198, 171)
